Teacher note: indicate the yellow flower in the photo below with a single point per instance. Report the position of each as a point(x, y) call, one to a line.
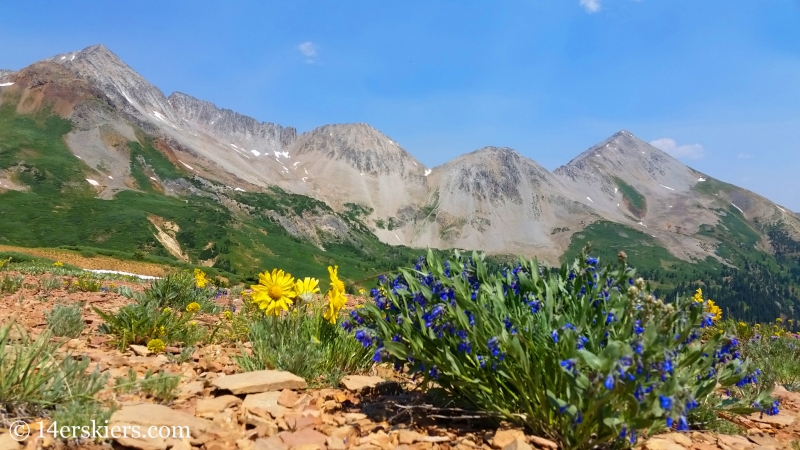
point(159, 331)
point(193, 307)
point(742, 324)
point(193, 323)
point(336, 301)
point(200, 278)
point(167, 310)
point(336, 283)
point(306, 288)
point(778, 320)
point(362, 291)
point(58, 264)
point(698, 296)
point(274, 292)
point(156, 346)
point(228, 315)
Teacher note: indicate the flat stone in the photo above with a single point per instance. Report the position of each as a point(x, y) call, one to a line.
point(543, 443)
point(304, 437)
point(764, 440)
point(271, 443)
point(145, 415)
point(288, 398)
point(779, 420)
point(216, 404)
point(408, 437)
point(678, 438)
point(259, 381)
point(8, 443)
point(504, 437)
point(662, 444)
point(266, 401)
point(139, 350)
point(335, 443)
point(735, 442)
point(518, 444)
point(360, 382)
point(191, 389)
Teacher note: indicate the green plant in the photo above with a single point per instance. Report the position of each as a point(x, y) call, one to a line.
point(126, 384)
point(305, 344)
point(49, 284)
point(177, 290)
point(65, 321)
point(584, 355)
point(36, 377)
point(160, 386)
point(184, 356)
point(777, 356)
point(10, 284)
point(143, 320)
point(79, 418)
point(87, 283)
point(706, 417)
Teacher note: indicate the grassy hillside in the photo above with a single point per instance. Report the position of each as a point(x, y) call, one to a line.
point(753, 286)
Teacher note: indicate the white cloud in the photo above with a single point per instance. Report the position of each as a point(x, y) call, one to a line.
point(591, 6)
point(690, 151)
point(309, 50)
point(744, 156)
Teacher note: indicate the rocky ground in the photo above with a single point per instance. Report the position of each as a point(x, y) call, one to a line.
point(273, 410)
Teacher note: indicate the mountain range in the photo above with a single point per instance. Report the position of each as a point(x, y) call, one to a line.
point(353, 180)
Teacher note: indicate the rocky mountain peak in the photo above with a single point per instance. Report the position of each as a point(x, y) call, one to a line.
point(362, 147)
point(230, 126)
point(492, 173)
point(124, 87)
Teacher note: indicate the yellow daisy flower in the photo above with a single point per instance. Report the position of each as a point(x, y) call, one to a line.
point(336, 283)
point(306, 288)
point(193, 307)
point(336, 301)
point(274, 292)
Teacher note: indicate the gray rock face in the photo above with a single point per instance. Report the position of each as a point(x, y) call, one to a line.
point(124, 87)
point(226, 124)
point(5, 75)
point(362, 147)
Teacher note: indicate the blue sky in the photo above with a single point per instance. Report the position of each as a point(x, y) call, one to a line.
point(717, 83)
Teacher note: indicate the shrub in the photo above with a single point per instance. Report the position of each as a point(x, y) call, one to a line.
point(36, 378)
point(10, 284)
point(65, 321)
point(160, 386)
point(143, 321)
point(49, 284)
point(585, 355)
point(778, 356)
point(177, 290)
point(306, 345)
point(87, 283)
point(78, 416)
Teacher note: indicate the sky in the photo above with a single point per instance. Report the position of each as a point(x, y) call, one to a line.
point(715, 83)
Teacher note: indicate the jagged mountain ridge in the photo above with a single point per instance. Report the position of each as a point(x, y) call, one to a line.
point(491, 199)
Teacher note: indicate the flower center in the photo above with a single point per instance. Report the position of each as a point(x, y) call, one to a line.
point(276, 292)
point(339, 285)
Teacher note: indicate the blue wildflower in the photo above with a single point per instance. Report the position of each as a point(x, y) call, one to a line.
point(609, 383)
